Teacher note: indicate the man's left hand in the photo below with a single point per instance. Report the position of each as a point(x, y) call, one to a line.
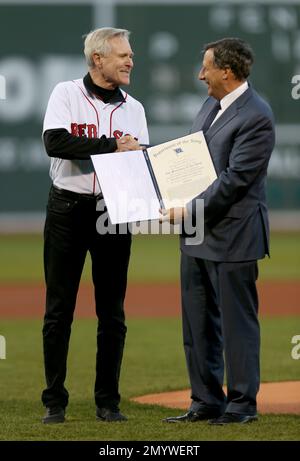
point(173, 215)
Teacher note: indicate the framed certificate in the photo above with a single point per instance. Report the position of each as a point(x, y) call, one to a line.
point(135, 184)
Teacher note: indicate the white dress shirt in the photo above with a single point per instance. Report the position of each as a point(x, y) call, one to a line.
point(230, 98)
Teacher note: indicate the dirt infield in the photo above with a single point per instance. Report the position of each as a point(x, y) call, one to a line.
point(143, 300)
point(272, 398)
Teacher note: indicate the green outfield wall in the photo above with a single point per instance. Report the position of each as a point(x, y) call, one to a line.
point(41, 44)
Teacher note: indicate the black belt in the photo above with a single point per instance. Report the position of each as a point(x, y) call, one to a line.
point(75, 195)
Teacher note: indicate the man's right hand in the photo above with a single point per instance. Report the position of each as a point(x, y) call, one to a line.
point(127, 143)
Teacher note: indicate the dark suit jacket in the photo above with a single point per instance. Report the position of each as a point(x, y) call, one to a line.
point(240, 142)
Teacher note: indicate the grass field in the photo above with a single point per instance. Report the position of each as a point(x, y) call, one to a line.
point(154, 259)
point(153, 358)
point(153, 362)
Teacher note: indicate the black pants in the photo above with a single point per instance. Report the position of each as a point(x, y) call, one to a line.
point(220, 307)
point(70, 231)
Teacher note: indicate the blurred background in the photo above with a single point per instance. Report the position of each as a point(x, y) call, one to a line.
point(41, 44)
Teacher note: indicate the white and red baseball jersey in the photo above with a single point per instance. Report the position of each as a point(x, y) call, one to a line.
point(73, 108)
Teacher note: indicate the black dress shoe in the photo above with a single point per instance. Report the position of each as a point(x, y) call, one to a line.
point(193, 416)
point(54, 415)
point(108, 415)
point(229, 418)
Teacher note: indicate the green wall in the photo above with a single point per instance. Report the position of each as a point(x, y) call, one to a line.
point(41, 45)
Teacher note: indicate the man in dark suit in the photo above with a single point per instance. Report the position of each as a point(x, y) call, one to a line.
point(218, 276)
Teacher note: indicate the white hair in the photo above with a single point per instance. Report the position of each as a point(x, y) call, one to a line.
point(97, 41)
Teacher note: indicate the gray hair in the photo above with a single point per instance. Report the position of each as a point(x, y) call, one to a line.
point(97, 41)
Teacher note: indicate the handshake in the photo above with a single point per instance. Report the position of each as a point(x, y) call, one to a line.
point(128, 143)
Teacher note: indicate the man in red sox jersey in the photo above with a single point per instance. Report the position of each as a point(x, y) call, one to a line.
point(84, 117)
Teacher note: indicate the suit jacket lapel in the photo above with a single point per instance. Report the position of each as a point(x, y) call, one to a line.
point(228, 115)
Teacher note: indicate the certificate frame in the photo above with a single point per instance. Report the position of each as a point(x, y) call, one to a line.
point(136, 184)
